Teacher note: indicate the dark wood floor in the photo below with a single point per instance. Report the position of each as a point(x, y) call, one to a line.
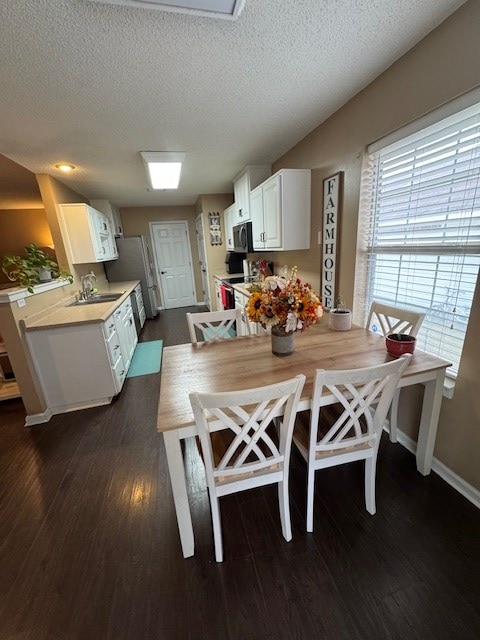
point(89, 547)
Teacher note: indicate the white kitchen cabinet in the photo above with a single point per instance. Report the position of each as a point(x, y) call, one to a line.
point(125, 328)
point(113, 213)
point(83, 364)
point(228, 217)
point(87, 234)
point(243, 184)
point(78, 365)
point(240, 303)
point(281, 211)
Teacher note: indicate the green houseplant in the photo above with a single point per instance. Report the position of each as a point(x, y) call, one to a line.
point(32, 268)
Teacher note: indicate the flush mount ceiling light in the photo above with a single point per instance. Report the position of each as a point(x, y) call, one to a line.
point(163, 168)
point(226, 9)
point(63, 166)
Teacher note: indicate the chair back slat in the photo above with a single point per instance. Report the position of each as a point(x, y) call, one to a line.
point(250, 447)
point(386, 319)
point(215, 325)
point(363, 397)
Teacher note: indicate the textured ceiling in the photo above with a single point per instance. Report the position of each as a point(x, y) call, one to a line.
point(94, 84)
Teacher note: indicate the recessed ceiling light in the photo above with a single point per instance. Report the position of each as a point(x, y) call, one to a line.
point(163, 168)
point(63, 166)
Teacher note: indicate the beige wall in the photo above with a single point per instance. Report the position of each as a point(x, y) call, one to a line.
point(215, 254)
point(55, 193)
point(441, 67)
point(45, 224)
point(136, 221)
point(20, 227)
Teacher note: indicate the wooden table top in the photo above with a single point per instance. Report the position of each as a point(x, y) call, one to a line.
point(248, 361)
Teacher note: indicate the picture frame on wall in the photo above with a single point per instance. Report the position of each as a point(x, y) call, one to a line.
point(331, 213)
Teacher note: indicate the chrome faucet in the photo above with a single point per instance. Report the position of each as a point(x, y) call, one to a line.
point(87, 285)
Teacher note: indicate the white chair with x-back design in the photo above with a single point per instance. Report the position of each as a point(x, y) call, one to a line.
point(246, 439)
point(385, 319)
point(351, 427)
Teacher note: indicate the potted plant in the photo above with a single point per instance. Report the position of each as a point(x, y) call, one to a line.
point(286, 305)
point(340, 318)
point(32, 268)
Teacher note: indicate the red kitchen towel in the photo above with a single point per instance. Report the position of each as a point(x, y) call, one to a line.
point(223, 295)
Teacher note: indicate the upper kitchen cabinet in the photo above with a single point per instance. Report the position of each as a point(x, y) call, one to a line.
point(87, 233)
point(228, 216)
point(281, 211)
point(113, 213)
point(243, 183)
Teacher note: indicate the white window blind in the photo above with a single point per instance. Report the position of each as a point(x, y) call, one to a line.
point(420, 226)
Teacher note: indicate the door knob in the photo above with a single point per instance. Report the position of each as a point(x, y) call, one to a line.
point(163, 272)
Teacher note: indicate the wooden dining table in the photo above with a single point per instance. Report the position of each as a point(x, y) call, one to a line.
point(247, 361)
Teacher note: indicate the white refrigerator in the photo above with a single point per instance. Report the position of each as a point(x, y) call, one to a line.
point(134, 262)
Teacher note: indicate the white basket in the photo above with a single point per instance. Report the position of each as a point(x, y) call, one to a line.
point(340, 319)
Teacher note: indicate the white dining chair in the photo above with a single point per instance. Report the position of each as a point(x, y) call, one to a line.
point(350, 428)
point(246, 440)
point(215, 325)
point(385, 319)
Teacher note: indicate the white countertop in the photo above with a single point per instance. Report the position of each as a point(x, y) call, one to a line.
point(61, 315)
point(223, 275)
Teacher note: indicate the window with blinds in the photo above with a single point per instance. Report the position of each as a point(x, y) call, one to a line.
point(420, 229)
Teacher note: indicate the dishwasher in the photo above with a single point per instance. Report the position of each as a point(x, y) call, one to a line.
point(136, 312)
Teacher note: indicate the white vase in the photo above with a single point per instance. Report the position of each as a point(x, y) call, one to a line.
point(44, 275)
point(340, 319)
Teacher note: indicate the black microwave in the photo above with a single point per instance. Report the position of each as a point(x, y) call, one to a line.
point(242, 238)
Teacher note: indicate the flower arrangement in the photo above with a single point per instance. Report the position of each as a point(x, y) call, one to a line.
point(285, 304)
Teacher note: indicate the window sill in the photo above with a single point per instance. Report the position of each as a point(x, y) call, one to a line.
point(449, 387)
point(14, 293)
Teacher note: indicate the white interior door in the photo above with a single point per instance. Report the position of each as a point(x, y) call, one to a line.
point(203, 260)
point(173, 261)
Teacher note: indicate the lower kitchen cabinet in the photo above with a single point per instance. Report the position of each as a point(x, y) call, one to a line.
point(241, 301)
point(126, 331)
point(84, 364)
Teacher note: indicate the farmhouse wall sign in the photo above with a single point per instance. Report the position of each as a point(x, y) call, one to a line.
point(332, 202)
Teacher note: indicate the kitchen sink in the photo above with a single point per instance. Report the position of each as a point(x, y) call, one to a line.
point(97, 298)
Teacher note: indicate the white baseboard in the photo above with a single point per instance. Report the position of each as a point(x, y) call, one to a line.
point(38, 418)
point(467, 490)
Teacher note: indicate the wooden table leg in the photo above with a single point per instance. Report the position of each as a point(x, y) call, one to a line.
point(179, 488)
point(427, 433)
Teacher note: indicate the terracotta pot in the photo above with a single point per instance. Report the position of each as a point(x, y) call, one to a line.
point(399, 343)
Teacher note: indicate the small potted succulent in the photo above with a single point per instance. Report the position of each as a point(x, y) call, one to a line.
point(32, 268)
point(340, 318)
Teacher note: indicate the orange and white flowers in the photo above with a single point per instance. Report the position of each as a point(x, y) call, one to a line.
point(289, 303)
